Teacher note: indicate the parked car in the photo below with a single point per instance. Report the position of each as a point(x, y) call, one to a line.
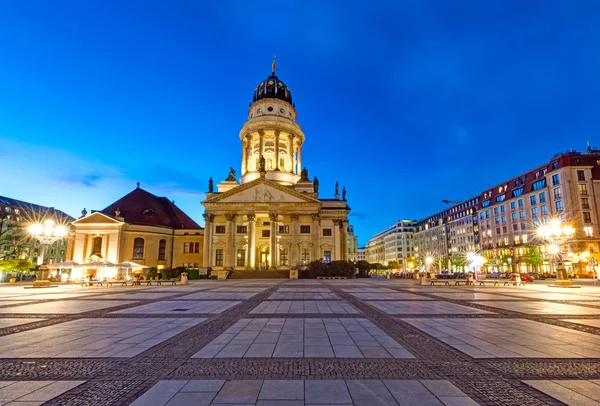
point(536, 276)
point(524, 277)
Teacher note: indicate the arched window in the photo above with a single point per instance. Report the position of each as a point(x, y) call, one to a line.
point(138, 248)
point(162, 250)
point(97, 246)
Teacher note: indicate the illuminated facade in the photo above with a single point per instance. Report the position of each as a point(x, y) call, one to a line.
point(140, 227)
point(272, 217)
point(501, 221)
point(15, 241)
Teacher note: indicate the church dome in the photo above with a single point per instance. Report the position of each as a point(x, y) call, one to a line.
point(272, 88)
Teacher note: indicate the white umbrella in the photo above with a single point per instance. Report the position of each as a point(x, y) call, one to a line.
point(67, 264)
point(99, 264)
point(129, 264)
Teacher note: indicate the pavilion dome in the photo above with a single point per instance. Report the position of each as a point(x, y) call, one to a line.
point(272, 88)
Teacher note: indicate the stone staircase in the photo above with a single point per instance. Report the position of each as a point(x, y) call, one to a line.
point(259, 275)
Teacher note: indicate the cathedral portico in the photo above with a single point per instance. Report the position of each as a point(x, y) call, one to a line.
point(272, 218)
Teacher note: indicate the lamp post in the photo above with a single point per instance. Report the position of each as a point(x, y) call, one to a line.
point(46, 234)
point(555, 235)
point(475, 261)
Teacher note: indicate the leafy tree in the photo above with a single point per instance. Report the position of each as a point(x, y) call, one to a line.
point(341, 268)
point(393, 265)
point(363, 269)
point(16, 265)
point(13, 239)
point(533, 258)
point(459, 261)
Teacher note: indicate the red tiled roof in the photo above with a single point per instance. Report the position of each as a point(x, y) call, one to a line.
point(144, 208)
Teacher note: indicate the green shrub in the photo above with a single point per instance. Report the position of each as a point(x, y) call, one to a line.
point(193, 274)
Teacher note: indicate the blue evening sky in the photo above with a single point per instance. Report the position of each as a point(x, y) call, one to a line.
point(405, 103)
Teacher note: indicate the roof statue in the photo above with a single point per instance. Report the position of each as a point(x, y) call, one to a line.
point(316, 184)
point(262, 164)
point(337, 188)
point(273, 65)
point(304, 174)
point(231, 176)
point(210, 185)
point(344, 193)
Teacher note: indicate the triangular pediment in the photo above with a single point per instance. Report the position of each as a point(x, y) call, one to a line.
point(261, 191)
point(96, 218)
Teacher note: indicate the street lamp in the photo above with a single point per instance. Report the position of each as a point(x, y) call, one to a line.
point(476, 261)
point(555, 235)
point(46, 233)
point(428, 262)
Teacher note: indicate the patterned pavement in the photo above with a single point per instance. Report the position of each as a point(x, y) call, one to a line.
point(300, 342)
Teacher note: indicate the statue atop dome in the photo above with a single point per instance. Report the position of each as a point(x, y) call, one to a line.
point(273, 65)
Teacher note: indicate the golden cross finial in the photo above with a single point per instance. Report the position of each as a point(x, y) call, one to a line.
point(273, 65)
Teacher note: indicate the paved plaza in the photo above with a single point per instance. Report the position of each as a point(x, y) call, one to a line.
point(300, 342)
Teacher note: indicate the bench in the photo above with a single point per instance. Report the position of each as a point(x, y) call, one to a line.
point(109, 282)
point(497, 282)
point(172, 280)
point(331, 277)
point(91, 283)
point(446, 282)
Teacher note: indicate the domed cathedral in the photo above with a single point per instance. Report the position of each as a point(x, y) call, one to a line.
point(272, 217)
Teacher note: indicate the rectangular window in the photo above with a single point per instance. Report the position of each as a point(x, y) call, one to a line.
point(540, 184)
point(485, 203)
point(242, 229)
point(219, 257)
point(585, 203)
point(521, 214)
point(327, 232)
point(186, 247)
point(532, 199)
point(517, 239)
point(500, 198)
point(284, 257)
point(524, 238)
point(495, 210)
point(559, 206)
point(504, 219)
point(520, 202)
point(194, 247)
point(514, 216)
point(266, 233)
point(284, 229)
point(583, 189)
point(515, 227)
point(496, 220)
point(543, 197)
point(487, 214)
point(557, 194)
point(327, 256)
point(523, 226)
point(588, 231)
point(502, 209)
point(555, 180)
point(517, 192)
point(513, 205)
point(587, 217)
point(241, 257)
point(304, 229)
point(219, 229)
point(580, 175)
point(546, 220)
point(544, 210)
point(305, 255)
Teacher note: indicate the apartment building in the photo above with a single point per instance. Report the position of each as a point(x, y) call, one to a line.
point(395, 243)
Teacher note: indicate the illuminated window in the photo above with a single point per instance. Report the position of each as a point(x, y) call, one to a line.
point(583, 189)
point(97, 246)
point(327, 256)
point(284, 257)
point(524, 238)
point(241, 257)
point(305, 255)
point(588, 231)
point(162, 250)
point(138, 248)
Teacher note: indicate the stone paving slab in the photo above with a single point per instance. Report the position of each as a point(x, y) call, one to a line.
point(304, 307)
point(424, 307)
point(303, 296)
point(181, 307)
point(240, 289)
point(556, 296)
point(388, 296)
point(542, 307)
point(369, 290)
point(135, 295)
point(29, 393)
point(474, 296)
point(65, 307)
point(302, 290)
point(308, 338)
point(510, 338)
point(218, 296)
point(94, 338)
point(300, 393)
point(571, 392)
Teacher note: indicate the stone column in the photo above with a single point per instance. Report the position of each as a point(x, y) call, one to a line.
point(206, 248)
point(344, 240)
point(276, 150)
point(229, 260)
point(316, 237)
point(244, 157)
point(251, 264)
point(273, 250)
point(261, 144)
point(291, 152)
point(336, 240)
point(294, 254)
point(248, 151)
point(299, 159)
